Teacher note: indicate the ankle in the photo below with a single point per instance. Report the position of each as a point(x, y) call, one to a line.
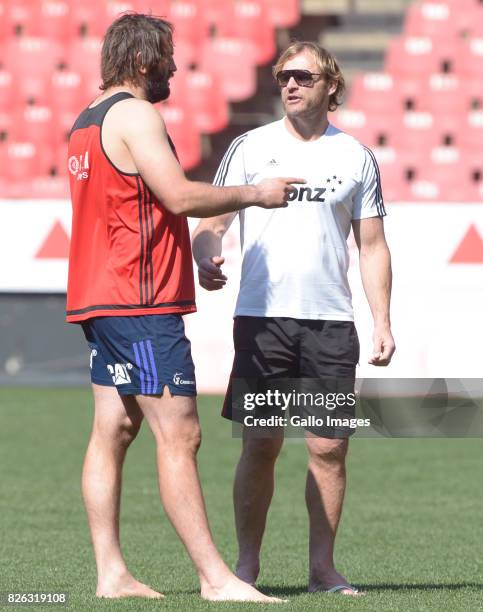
point(215, 580)
point(112, 572)
point(321, 572)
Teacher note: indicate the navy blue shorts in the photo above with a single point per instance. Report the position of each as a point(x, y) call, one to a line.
point(141, 355)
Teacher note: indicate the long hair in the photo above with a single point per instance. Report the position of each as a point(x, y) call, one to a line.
point(131, 41)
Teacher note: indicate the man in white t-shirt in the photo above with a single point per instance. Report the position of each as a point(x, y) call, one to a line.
point(293, 317)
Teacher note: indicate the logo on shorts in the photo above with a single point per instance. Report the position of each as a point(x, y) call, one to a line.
point(93, 354)
point(119, 373)
point(179, 380)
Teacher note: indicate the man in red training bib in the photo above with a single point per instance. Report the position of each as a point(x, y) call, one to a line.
point(130, 282)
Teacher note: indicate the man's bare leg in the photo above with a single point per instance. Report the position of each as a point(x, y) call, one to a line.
point(174, 423)
point(252, 494)
point(324, 494)
point(116, 424)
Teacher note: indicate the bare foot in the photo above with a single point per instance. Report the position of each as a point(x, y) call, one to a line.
point(237, 590)
point(125, 586)
point(324, 582)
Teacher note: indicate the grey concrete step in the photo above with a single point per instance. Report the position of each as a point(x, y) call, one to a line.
point(326, 7)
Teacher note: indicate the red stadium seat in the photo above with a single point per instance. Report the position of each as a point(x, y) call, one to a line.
point(86, 18)
point(248, 20)
point(222, 56)
point(26, 159)
point(376, 91)
point(18, 16)
point(470, 64)
point(5, 126)
point(185, 55)
point(444, 18)
point(445, 94)
point(417, 130)
point(374, 129)
point(206, 101)
point(60, 160)
point(30, 55)
point(114, 8)
point(430, 19)
point(471, 137)
point(190, 27)
point(214, 11)
point(178, 88)
point(394, 175)
point(4, 24)
point(354, 122)
point(66, 90)
point(48, 18)
point(34, 124)
point(155, 7)
point(283, 13)
point(183, 133)
point(474, 89)
point(64, 120)
point(30, 88)
point(411, 57)
point(446, 183)
point(6, 89)
point(83, 56)
point(90, 93)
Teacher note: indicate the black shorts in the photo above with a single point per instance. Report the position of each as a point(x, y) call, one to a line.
point(319, 355)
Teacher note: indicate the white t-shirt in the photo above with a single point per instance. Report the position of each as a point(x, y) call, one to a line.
point(295, 259)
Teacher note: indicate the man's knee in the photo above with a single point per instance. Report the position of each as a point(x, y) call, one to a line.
point(326, 451)
point(184, 438)
point(122, 430)
point(174, 423)
point(262, 450)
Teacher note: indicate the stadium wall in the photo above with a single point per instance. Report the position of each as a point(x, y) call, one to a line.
point(437, 254)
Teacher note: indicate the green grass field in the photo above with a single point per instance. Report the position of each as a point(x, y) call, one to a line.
point(410, 534)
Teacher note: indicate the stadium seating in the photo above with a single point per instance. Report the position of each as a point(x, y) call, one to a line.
point(206, 101)
point(25, 159)
point(283, 13)
point(49, 71)
point(190, 25)
point(248, 20)
point(221, 56)
point(6, 89)
point(182, 129)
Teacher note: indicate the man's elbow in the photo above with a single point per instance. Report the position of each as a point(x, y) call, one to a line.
point(176, 205)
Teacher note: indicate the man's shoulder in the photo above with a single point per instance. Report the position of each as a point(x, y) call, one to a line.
point(348, 145)
point(262, 133)
point(345, 139)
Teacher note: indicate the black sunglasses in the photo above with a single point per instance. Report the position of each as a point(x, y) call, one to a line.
point(303, 78)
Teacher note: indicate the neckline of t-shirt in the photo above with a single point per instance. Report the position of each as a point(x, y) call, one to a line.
point(292, 138)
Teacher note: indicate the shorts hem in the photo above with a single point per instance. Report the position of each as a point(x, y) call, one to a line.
point(101, 383)
point(158, 391)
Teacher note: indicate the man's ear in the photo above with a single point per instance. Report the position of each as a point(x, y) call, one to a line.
point(332, 88)
point(141, 68)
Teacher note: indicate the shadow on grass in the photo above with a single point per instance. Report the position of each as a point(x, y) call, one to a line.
point(280, 591)
point(291, 591)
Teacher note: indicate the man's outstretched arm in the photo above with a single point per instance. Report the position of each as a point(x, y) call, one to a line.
point(376, 274)
point(144, 133)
